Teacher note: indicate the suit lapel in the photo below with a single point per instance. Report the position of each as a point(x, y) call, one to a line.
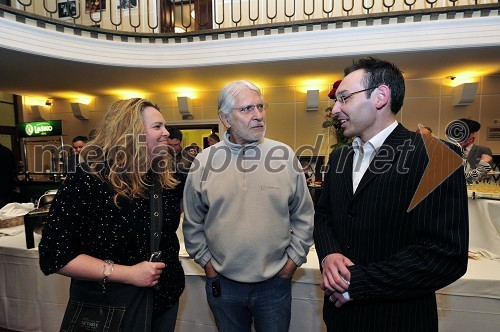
point(387, 153)
point(344, 170)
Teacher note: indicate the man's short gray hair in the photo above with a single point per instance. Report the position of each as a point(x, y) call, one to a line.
point(230, 91)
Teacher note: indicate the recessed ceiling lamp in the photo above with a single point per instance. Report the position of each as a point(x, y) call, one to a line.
point(37, 101)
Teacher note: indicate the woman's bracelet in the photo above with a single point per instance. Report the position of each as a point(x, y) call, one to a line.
point(107, 269)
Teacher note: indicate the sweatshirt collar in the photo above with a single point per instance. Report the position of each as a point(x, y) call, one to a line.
point(236, 148)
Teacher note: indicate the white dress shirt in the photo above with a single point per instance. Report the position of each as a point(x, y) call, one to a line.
point(364, 153)
point(467, 150)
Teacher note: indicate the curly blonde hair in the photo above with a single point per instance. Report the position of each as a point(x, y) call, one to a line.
point(118, 154)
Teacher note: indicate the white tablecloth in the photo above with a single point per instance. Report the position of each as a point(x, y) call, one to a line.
point(484, 224)
point(26, 292)
point(29, 301)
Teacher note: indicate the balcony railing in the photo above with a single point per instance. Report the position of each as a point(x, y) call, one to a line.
point(180, 16)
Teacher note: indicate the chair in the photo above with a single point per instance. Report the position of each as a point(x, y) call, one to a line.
point(33, 221)
point(45, 200)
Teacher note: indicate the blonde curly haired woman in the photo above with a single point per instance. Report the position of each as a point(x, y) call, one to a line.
point(98, 229)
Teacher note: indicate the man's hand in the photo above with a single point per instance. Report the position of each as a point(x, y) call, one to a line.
point(336, 276)
point(209, 270)
point(486, 158)
point(336, 298)
point(288, 270)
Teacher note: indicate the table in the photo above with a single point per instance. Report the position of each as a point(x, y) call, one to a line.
point(26, 292)
point(484, 226)
point(29, 301)
point(472, 303)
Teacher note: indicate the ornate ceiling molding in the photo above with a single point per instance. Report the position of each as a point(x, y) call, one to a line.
point(371, 35)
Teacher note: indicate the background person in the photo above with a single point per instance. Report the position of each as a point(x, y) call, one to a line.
point(248, 226)
point(77, 145)
point(381, 264)
point(103, 213)
point(213, 139)
point(474, 153)
point(477, 159)
point(175, 140)
point(7, 169)
point(182, 160)
point(308, 171)
point(192, 150)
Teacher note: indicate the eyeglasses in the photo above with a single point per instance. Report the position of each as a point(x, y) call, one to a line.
point(343, 99)
point(251, 108)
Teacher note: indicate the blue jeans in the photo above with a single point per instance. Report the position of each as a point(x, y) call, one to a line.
point(268, 303)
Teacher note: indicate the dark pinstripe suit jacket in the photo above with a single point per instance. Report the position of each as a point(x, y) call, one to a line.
point(401, 258)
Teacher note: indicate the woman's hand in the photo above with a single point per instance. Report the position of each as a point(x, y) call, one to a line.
point(145, 274)
point(85, 267)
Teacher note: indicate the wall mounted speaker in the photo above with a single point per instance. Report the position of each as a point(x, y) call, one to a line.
point(183, 103)
point(312, 100)
point(464, 94)
point(36, 114)
point(77, 111)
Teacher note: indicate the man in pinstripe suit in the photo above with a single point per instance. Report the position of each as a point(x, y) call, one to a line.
point(382, 262)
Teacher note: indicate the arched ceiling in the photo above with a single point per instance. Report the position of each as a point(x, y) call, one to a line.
point(39, 62)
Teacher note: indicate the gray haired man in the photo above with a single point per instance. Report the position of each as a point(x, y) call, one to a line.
point(248, 217)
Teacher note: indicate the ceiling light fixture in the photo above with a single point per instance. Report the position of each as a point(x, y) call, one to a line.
point(78, 113)
point(36, 113)
point(312, 104)
point(464, 94)
point(183, 103)
point(37, 101)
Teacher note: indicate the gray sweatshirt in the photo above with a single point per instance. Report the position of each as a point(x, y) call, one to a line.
point(247, 209)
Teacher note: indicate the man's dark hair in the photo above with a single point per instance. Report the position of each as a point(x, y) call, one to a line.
point(214, 136)
point(84, 139)
point(461, 129)
point(175, 133)
point(378, 72)
point(472, 125)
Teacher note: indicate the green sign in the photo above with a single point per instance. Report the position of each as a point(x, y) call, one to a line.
point(38, 129)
